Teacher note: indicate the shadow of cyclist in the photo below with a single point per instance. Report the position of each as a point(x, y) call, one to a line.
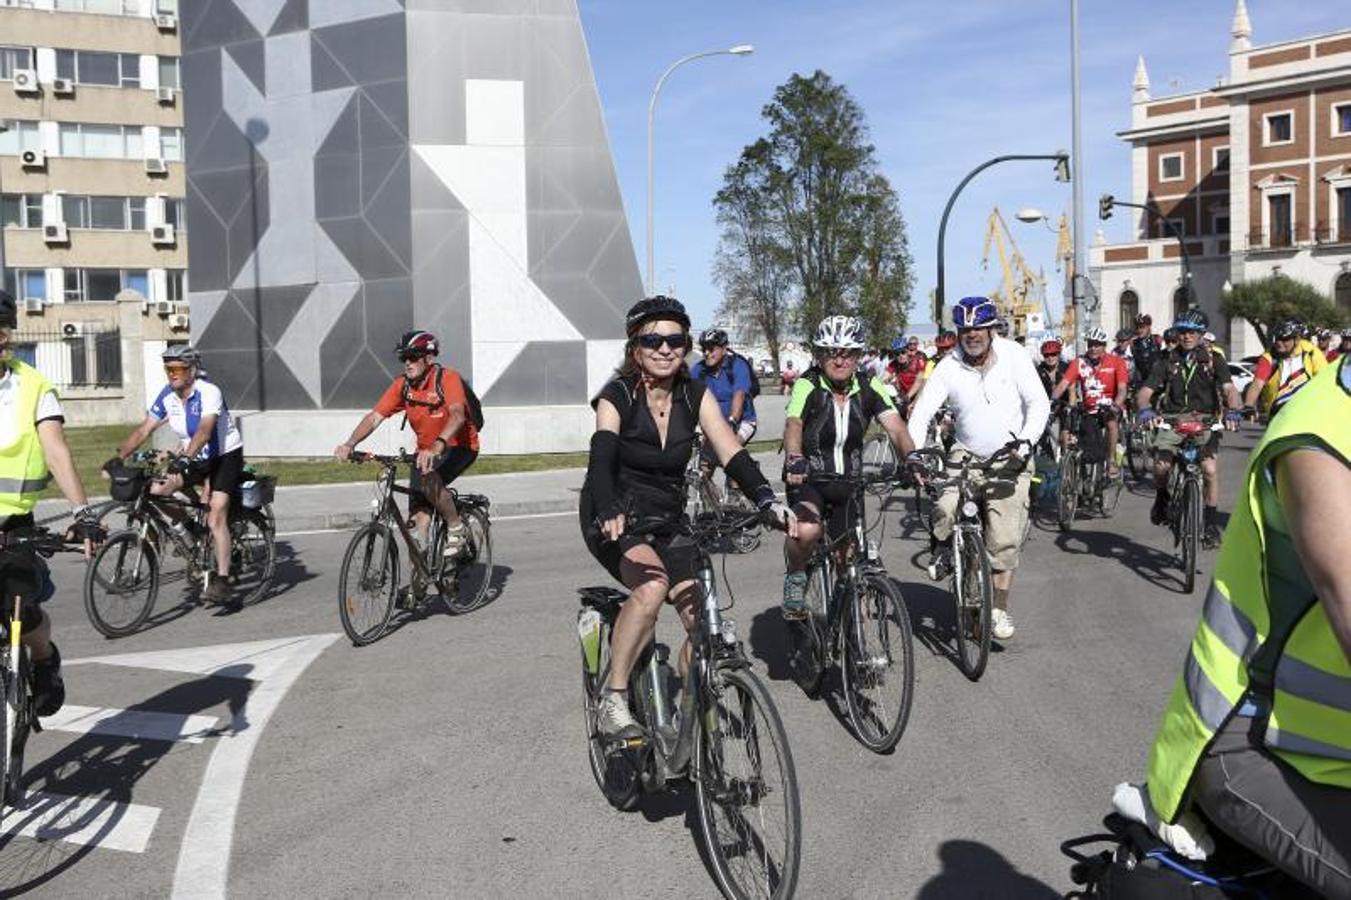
point(83, 790)
point(973, 870)
point(1155, 566)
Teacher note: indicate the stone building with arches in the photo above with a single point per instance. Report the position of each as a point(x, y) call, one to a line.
point(1253, 173)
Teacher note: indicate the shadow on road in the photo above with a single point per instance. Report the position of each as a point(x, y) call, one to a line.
point(971, 869)
point(290, 571)
point(1157, 567)
point(86, 786)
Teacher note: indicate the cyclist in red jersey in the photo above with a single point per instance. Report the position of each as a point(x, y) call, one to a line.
point(1102, 379)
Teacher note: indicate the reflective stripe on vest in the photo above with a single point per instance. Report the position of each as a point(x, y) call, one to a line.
point(24, 485)
point(1309, 722)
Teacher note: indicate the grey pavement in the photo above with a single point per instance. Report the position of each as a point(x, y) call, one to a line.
point(448, 758)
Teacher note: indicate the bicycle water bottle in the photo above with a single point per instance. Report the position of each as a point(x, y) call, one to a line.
point(588, 632)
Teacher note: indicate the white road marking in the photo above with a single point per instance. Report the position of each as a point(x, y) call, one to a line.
point(88, 821)
point(254, 660)
point(138, 724)
point(495, 519)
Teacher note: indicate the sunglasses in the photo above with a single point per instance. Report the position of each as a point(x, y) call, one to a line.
point(843, 353)
point(1050, 356)
point(176, 369)
point(653, 341)
point(409, 357)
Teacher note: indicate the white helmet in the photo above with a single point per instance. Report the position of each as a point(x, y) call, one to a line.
point(840, 333)
point(1095, 335)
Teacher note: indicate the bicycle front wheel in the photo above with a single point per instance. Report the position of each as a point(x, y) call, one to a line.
point(1068, 496)
point(1138, 453)
point(878, 667)
point(121, 584)
point(881, 463)
point(368, 583)
point(18, 713)
point(1190, 531)
point(253, 555)
point(974, 593)
point(468, 588)
point(750, 815)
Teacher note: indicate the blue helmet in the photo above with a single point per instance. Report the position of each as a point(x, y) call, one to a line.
point(898, 345)
point(1191, 320)
point(975, 312)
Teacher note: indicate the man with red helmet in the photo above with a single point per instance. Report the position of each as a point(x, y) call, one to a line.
point(433, 400)
point(1102, 380)
point(943, 345)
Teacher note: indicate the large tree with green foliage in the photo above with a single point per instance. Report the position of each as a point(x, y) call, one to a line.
point(808, 219)
point(1266, 301)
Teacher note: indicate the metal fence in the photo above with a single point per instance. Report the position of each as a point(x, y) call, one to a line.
point(74, 355)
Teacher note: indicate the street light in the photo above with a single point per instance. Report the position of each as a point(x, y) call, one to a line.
point(738, 50)
point(4, 126)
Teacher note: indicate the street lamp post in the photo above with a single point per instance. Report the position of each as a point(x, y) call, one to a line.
point(1076, 147)
point(738, 50)
point(1062, 161)
point(4, 126)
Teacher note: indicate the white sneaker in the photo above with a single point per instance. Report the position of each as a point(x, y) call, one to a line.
point(456, 537)
point(1002, 624)
point(614, 720)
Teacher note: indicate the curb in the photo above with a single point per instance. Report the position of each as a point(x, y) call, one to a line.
point(345, 521)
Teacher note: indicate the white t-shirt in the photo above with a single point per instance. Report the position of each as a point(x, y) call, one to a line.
point(186, 415)
point(992, 406)
point(48, 407)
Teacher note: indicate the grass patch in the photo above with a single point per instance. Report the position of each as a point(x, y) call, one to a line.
point(93, 445)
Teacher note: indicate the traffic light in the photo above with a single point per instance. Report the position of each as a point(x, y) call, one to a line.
point(1062, 168)
point(1105, 203)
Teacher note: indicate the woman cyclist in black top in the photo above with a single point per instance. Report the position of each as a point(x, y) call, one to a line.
point(633, 500)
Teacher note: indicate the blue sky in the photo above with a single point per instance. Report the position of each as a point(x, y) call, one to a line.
point(944, 86)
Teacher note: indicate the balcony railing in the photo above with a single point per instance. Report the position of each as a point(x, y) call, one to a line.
point(1333, 233)
point(1277, 238)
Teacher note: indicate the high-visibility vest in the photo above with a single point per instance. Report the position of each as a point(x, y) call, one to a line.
point(1275, 391)
point(23, 468)
point(1261, 639)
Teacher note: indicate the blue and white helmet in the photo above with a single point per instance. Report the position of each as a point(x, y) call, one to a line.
point(839, 333)
point(975, 312)
point(1095, 335)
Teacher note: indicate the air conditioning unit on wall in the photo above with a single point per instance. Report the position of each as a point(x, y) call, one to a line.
point(156, 166)
point(74, 329)
point(178, 322)
point(166, 95)
point(63, 87)
point(163, 307)
point(26, 81)
point(34, 304)
point(162, 235)
point(33, 159)
point(56, 233)
point(166, 22)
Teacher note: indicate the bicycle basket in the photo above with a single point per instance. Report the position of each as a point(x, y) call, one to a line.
point(258, 493)
point(126, 483)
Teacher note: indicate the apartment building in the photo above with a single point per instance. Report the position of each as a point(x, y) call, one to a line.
point(92, 192)
point(1254, 174)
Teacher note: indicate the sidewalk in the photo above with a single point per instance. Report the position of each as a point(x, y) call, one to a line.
point(317, 507)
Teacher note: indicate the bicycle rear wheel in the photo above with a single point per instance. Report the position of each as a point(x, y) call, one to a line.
point(368, 583)
point(1111, 493)
point(466, 581)
point(253, 555)
point(745, 785)
point(18, 724)
point(1067, 498)
point(974, 594)
point(1190, 531)
point(121, 584)
point(617, 773)
point(878, 664)
point(1138, 453)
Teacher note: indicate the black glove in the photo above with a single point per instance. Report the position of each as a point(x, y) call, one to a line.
point(86, 527)
point(179, 465)
point(113, 464)
point(796, 464)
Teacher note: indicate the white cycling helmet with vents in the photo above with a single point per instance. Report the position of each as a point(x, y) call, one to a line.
point(1095, 335)
point(839, 333)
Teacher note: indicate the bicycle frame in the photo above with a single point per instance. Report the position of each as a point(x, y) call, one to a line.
point(839, 564)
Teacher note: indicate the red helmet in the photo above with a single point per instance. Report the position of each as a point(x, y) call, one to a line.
point(417, 343)
point(946, 341)
point(1143, 319)
point(1051, 347)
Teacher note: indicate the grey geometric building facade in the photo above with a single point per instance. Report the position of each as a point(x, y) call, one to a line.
point(359, 167)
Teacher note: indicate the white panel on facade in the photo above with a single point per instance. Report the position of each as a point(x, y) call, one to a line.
point(46, 64)
point(494, 113)
point(149, 67)
point(50, 134)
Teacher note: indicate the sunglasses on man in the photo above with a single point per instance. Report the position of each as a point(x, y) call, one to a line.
point(843, 353)
point(405, 356)
point(654, 341)
point(176, 368)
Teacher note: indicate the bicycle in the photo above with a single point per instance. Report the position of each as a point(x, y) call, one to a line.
point(369, 586)
point(705, 497)
point(972, 577)
point(1186, 489)
point(725, 736)
point(16, 685)
point(123, 579)
point(1083, 482)
point(1139, 444)
point(857, 620)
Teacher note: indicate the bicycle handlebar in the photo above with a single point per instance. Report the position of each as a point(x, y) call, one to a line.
point(362, 456)
point(44, 541)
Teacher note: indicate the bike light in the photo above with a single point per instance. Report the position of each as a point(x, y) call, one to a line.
point(969, 509)
point(873, 551)
point(729, 631)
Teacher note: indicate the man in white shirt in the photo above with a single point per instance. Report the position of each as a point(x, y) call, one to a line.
point(992, 387)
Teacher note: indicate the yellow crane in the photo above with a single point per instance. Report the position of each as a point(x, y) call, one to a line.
point(1021, 292)
point(1064, 257)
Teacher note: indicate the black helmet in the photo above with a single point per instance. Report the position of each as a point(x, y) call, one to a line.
point(713, 337)
point(1143, 319)
point(417, 343)
point(9, 310)
point(1124, 334)
point(1192, 320)
point(652, 309)
point(1170, 334)
point(1286, 329)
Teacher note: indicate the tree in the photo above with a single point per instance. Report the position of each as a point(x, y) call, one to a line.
point(1266, 301)
point(828, 236)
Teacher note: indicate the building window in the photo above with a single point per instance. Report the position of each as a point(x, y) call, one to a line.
point(171, 144)
point(1343, 213)
point(1280, 223)
point(1179, 228)
point(1280, 128)
point(176, 213)
point(1341, 291)
point(100, 141)
point(104, 213)
point(1170, 167)
point(26, 284)
point(136, 213)
point(1219, 224)
point(21, 210)
point(75, 211)
point(74, 286)
point(103, 285)
point(104, 7)
point(1220, 159)
point(169, 74)
point(176, 285)
point(95, 68)
point(22, 135)
point(1130, 308)
point(1341, 119)
point(12, 58)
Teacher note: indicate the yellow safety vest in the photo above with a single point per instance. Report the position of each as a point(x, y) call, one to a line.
point(1275, 391)
point(23, 468)
point(1303, 679)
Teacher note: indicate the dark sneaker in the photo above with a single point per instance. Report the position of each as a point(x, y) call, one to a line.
point(941, 567)
point(217, 591)
point(1210, 538)
point(49, 688)
point(794, 595)
point(1158, 513)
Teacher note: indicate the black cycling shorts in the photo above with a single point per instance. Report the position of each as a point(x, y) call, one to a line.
point(451, 465)
point(23, 574)
point(832, 500)
point(678, 555)
point(223, 473)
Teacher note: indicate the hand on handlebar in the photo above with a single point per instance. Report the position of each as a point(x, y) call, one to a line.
point(343, 452)
point(86, 530)
point(1146, 417)
point(179, 465)
point(612, 528)
point(426, 461)
point(795, 468)
point(1232, 419)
